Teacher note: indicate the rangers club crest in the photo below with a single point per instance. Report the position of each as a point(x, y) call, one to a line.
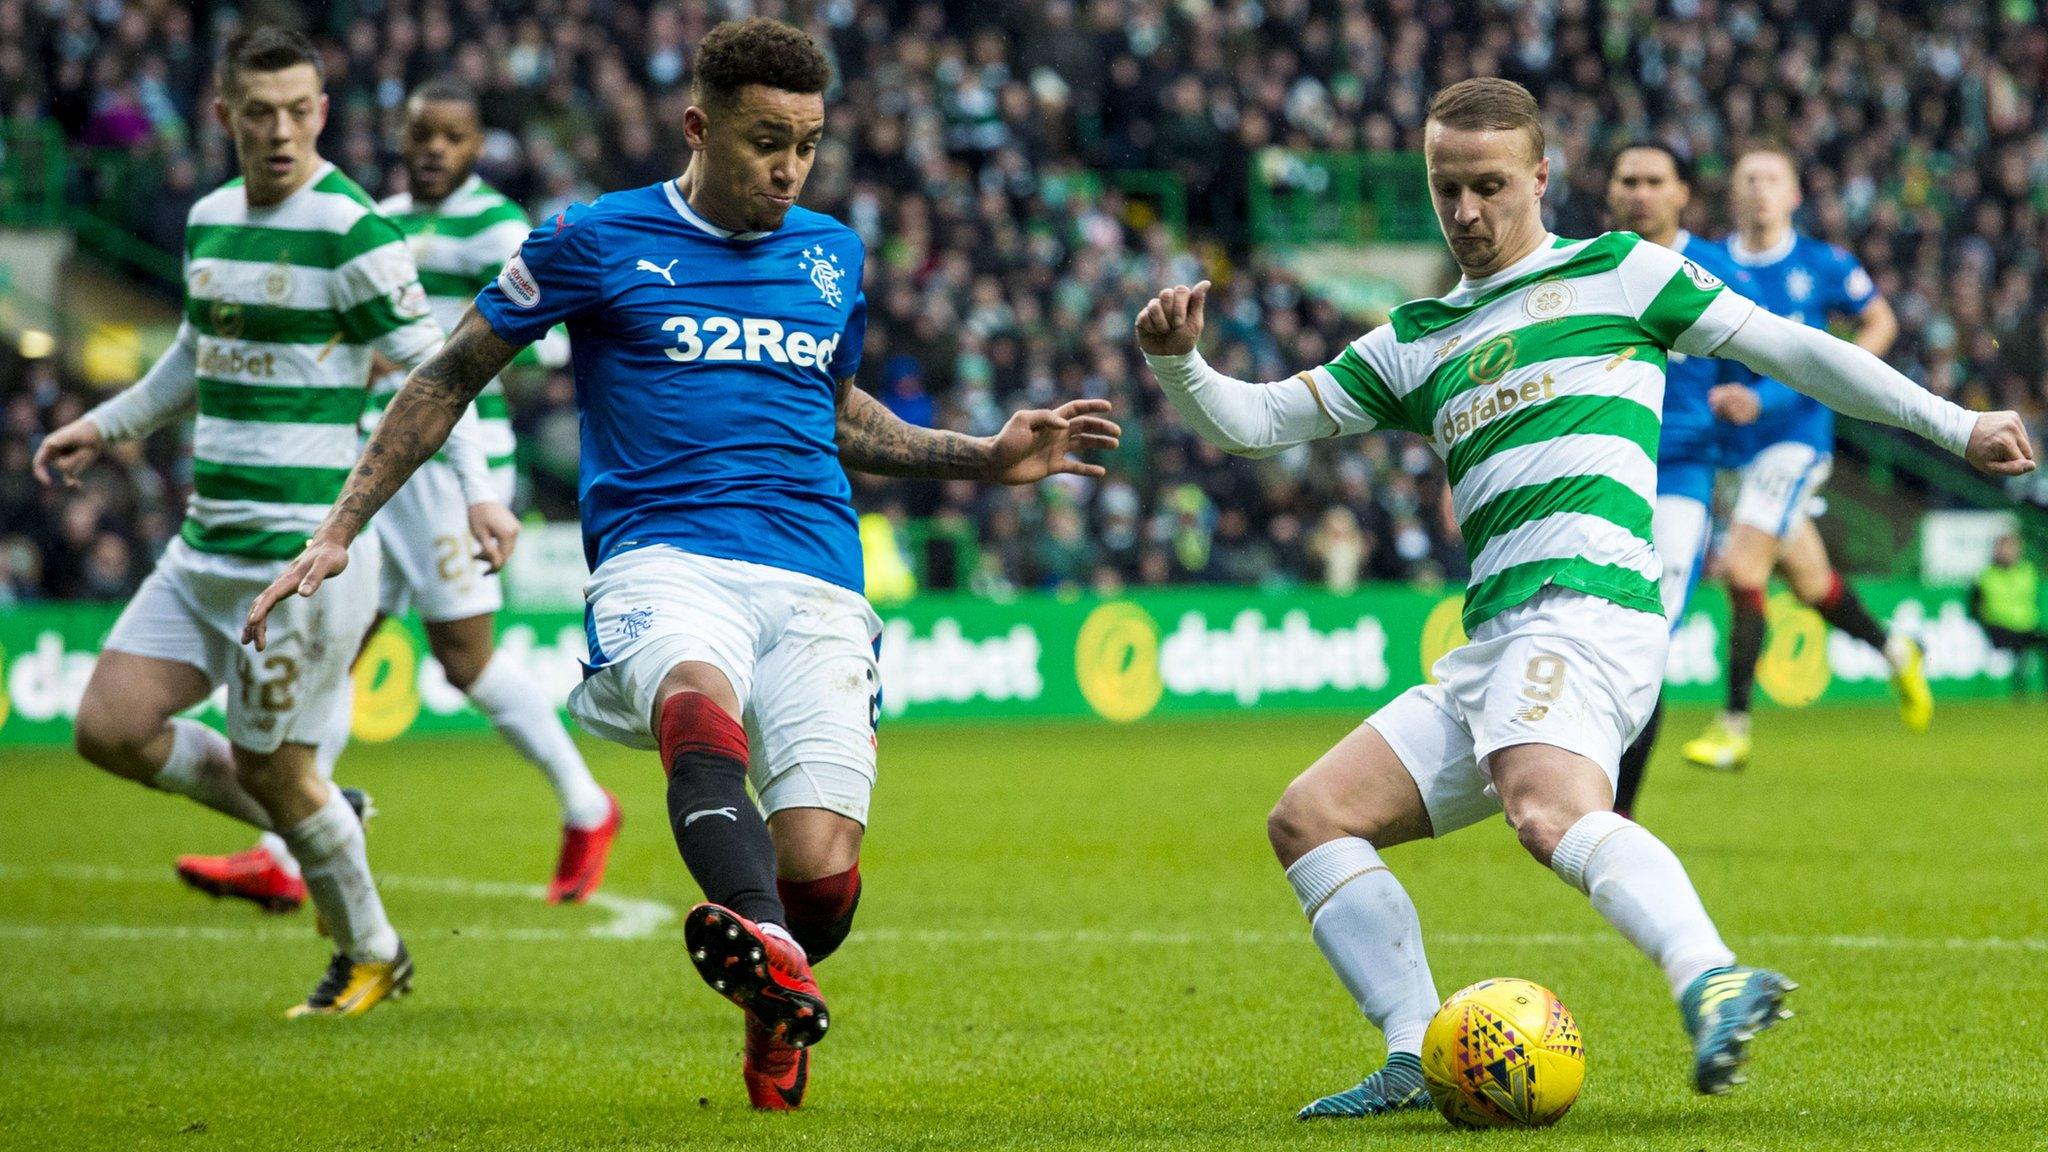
point(825, 273)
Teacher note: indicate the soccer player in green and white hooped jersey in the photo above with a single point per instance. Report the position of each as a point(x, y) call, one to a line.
point(461, 231)
point(1539, 380)
point(293, 280)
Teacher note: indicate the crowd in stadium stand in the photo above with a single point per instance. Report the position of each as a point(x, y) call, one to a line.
point(965, 144)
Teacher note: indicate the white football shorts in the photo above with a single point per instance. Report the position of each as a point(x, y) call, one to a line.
point(1781, 487)
point(430, 562)
point(1562, 668)
point(1679, 529)
point(799, 652)
point(191, 609)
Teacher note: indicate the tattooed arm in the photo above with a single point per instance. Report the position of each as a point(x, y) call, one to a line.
point(434, 397)
point(1031, 446)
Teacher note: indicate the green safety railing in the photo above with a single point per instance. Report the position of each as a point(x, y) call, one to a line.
point(37, 170)
point(34, 167)
point(1891, 461)
point(1300, 198)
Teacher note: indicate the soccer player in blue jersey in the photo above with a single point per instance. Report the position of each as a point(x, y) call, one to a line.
point(1785, 451)
point(1649, 187)
point(715, 330)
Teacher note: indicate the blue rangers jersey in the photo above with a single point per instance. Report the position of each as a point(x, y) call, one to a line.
point(1807, 280)
point(1692, 439)
point(706, 364)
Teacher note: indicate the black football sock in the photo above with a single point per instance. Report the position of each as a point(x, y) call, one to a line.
point(1845, 612)
point(1635, 760)
point(821, 911)
point(724, 841)
point(1745, 646)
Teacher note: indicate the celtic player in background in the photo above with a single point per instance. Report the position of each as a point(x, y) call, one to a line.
point(461, 232)
point(293, 280)
point(1539, 380)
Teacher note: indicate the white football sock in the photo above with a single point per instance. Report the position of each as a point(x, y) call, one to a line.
point(329, 846)
point(524, 716)
point(1366, 926)
point(201, 766)
point(281, 852)
point(325, 754)
point(1642, 889)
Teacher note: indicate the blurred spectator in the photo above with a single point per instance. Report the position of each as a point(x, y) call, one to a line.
point(2006, 600)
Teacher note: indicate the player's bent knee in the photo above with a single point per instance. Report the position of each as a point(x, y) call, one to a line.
point(1811, 588)
point(463, 648)
point(1540, 827)
point(813, 843)
point(1302, 820)
point(273, 778)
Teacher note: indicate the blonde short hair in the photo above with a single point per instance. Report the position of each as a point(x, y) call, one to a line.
point(1489, 104)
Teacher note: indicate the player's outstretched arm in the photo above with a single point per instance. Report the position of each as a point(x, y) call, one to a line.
point(434, 397)
point(1240, 417)
point(163, 393)
point(1032, 445)
point(1855, 383)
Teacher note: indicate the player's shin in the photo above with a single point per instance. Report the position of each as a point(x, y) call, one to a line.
point(1845, 612)
point(1641, 888)
point(821, 911)
point(1745, 646)
point(723, 840)
point(1366, 926)
point(326, 754)
point(201, 766)
point(523, 715)
point(329, 848)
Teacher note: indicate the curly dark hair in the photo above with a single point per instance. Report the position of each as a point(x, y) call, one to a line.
point(757, 51)
point(264, 49)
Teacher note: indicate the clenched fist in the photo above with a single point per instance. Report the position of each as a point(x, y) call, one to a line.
point(1171, 323)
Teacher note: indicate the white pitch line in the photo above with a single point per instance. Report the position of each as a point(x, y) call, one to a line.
point(1141, 938)
point(635, 918)
point(632, 918)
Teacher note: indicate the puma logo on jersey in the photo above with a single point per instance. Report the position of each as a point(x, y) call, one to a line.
point(726, 338)
point(657, 269)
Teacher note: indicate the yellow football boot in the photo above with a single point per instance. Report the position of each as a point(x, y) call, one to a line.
point(353, 987)
point(1909, 680)
point(1723, 747)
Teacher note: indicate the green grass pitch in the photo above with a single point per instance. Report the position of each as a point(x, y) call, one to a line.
point(1072, 937)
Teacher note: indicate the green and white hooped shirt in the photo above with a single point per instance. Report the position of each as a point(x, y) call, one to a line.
point(459, 244)
point(283, 307)
point(1541, 387)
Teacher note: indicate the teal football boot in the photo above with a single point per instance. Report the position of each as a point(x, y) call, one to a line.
point(1397, 1087)
point(1724, 1010)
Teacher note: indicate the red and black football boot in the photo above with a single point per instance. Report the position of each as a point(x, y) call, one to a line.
point(776, 1074)
point(254, 875)
point(580, 867)
point(764, 974)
